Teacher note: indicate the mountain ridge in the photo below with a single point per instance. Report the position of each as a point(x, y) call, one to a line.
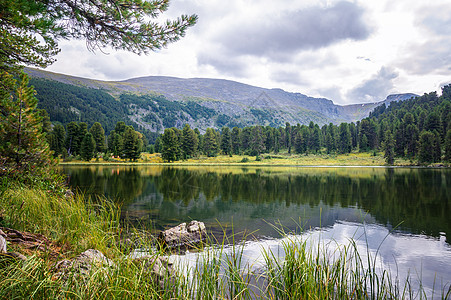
point(235, 103)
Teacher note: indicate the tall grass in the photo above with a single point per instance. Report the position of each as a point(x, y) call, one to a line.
point(78, 221)
point(307, 269)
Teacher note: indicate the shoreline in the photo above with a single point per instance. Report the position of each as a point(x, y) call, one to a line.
point(365, 159)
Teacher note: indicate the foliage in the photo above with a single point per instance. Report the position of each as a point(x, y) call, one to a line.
point(132, 145)
point(23, 146)
point(77, 221)
point(98, 133)
point(29, 30)
point(189, 142)
point(88, 147)
point(67, 103)
point(171, 145)
point(389, 148)
point(125, 142)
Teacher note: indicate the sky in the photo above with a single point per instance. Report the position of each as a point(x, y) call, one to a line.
point(346, 51)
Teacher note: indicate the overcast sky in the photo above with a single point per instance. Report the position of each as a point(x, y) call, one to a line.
point(346, 51)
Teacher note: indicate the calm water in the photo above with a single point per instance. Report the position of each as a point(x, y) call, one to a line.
point(406, 210)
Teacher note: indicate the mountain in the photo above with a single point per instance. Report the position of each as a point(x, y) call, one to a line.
point(158, 102)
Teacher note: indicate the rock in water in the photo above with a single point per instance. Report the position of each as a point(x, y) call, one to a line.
point(183, 235)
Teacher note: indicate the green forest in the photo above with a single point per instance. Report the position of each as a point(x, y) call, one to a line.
point(417, 129)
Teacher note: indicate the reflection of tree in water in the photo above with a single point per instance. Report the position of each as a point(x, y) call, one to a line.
point(122, 184)
point(420, 198)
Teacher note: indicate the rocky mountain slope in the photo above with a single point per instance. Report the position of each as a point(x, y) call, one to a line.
point(223, 102)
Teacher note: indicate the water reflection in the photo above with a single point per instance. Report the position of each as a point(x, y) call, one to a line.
point(412, 200)
point(427, 264)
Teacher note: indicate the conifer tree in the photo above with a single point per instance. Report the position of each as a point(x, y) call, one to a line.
point(288, 136)
point(345, 140)
point(73, 141)
point(226, 141)
point(210, 144)
point(257, 140)
point(131, 149)
point(426, 147)
point(88, 147)
point(23, 146)
point(448, 145)
point(236, 140)
point(299, 142)
point(189, 142)
point(389, 148)
point(170, 145)
point(98, 133)
point(30, 29)
point(56, 139)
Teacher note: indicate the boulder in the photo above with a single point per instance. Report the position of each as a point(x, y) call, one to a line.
point(81, 265)
point(2, 244)
point(183, 235)
point(160, 268)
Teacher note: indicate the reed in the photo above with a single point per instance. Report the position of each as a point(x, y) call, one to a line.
point(78, 221)
point(308, 269)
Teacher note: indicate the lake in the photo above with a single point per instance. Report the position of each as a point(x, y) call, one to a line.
point(402, 214)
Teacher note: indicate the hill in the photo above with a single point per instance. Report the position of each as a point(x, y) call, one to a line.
point(157, 102)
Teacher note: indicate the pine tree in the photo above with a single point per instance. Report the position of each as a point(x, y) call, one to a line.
point(73, 141)
point(448, 145)
point(236, 140)
point(170, 145)
point(98, 133)
point(115, 143)
point(226, 141)
point(210, 144)
point(158, 145)
point(363, 144)
point(411, 138)
point(88, 146)
point(131, 149)
point(389, 148)
point(345, 140)
point(315, 138)
point(426, 147)
point(299, 142)
point(23, 145)
point(257, 140)
point(56, 139)
point(288, 136)
point(189, 142)
point(276, 141)
point(30, 29)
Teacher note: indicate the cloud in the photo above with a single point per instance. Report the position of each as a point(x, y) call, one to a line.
point(224, 64)
point(432, 54)
point(287, 76)
point(377, 88)
point(332, 93)
point(289, 32)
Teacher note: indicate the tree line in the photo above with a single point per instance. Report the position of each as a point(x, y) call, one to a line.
point(76, 140)
point(419, 128)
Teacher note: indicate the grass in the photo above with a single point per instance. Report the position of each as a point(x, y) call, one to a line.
point(309, 270)
point(281, 159)
point(77, 221)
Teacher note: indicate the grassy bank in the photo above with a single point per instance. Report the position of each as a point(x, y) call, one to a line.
point(281, 159)
point(308, 271)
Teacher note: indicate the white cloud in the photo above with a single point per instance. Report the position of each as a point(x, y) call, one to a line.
point(325, 48)
point(374, 89)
